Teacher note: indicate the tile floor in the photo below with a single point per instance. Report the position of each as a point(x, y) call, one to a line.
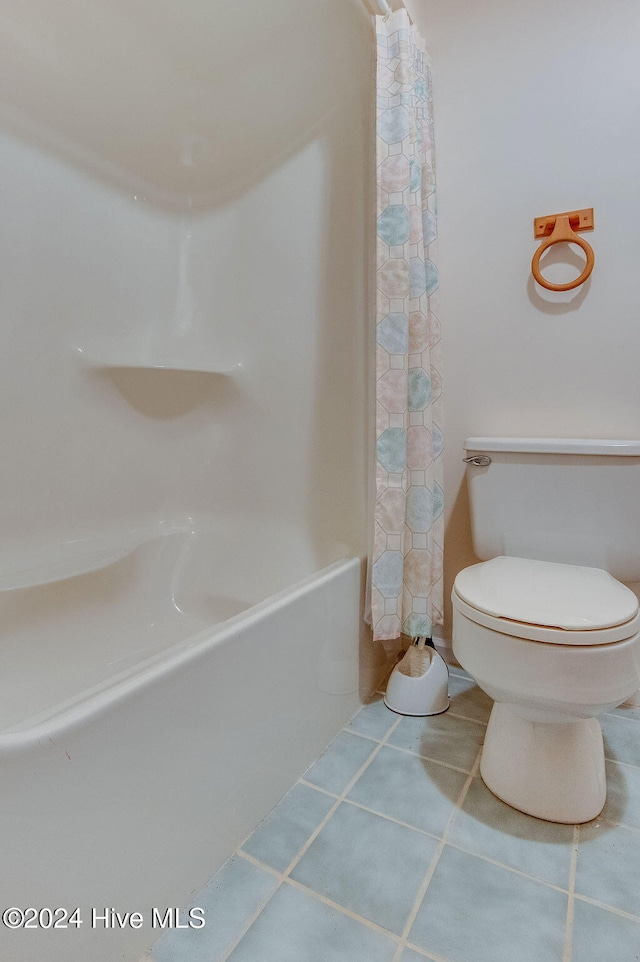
point(390, 849)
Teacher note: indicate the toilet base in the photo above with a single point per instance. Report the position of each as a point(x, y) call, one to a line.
point(552, 770)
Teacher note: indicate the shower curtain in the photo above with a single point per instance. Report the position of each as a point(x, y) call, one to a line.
point(406, 568)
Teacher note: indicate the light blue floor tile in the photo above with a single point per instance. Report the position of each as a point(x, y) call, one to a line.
point(410, 789)
point(474, 911)
point(600, 936)
point(621, 739)
point(374, 719)
point(229, 900)
point(487, 826)
point(367, 864)
point(623, 795)
point(296, 927)
point(469, 700)
point(337, 765)
point(608, 865)
point(279, 838)
point(445, 738)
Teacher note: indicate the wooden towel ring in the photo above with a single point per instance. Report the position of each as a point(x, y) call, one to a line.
point(562, 228)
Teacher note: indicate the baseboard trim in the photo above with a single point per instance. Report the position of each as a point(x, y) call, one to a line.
point(444, 647)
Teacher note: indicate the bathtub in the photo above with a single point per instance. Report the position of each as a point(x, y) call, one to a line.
point(160, 693)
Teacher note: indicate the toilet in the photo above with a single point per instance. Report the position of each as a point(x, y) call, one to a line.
point(544, 624)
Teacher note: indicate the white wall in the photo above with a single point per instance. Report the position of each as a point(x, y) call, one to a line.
point(188, 183)
point(535, 111)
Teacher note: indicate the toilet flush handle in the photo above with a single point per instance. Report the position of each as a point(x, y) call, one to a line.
point(480, 459)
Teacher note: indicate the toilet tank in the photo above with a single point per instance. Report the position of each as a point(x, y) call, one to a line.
point(570, 500)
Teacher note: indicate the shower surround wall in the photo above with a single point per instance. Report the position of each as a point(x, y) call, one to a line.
point(185, 211)
point(263, 270)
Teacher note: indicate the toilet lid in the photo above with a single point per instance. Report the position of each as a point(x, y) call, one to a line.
point(544, 593)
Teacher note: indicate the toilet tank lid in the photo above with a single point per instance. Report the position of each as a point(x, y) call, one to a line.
point(571, 597)
point(595, 446)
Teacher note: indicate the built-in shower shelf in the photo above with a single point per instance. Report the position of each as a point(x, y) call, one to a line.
point(45, 565)
point(154, 363)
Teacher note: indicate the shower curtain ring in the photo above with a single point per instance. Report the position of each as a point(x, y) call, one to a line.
point(559, 228)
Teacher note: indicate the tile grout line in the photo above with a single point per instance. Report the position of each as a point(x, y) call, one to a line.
point(403, 940)
point(507, 868)
point(316, 895)
point(455, 845)
point(429, 758)
point(447, 711)
point(252, 918)
point(370, 924)
point(461, 848)
point(616, 761)
point(568, 932)
point(609, 908)
point(343, 910)
point(570, 890)
point(323, 791)
point(616, 714)
point(390, 818)
point(339, 798)
point(252, 860)
point(284, 876)
point(625, 825)
point(352, 731)
point(451, 714)
point(292, 864)
point(476, 721)
point(294, 883)
point(424, 954)
point(436, 858)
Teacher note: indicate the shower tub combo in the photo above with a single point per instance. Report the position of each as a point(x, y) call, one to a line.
point(183, 408)
point(158, 697)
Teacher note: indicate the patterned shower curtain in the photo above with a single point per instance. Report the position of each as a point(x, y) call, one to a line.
point(406, 569)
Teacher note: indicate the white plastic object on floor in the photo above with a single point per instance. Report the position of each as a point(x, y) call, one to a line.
point(419, 684)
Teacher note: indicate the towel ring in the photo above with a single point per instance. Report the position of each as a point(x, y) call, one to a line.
point(563, 232)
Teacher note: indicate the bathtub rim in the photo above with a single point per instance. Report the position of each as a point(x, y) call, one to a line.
point(101, 699)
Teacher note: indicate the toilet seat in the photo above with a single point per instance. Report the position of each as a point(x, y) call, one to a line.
point(547, 602)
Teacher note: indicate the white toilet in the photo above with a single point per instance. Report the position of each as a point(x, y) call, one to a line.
point(543, 625)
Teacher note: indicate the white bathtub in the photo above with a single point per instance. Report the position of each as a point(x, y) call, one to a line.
point(152, 712)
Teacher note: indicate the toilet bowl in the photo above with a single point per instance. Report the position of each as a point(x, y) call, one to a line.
point(553, 636)
point(550, 672)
